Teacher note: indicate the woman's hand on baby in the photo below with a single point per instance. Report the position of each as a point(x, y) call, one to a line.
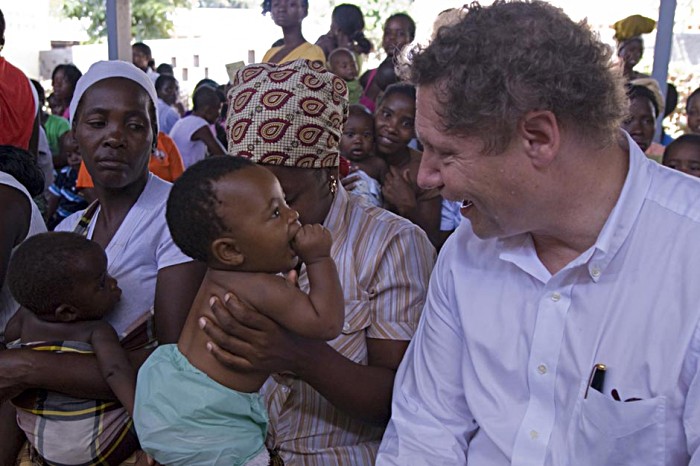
point(312, 242)
point(352, 181)
point(12, 365)
point(245, 340)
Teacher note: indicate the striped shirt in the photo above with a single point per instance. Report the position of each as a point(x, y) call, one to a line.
point(384, 263)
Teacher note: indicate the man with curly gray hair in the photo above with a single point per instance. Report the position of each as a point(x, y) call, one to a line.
point(559, 328)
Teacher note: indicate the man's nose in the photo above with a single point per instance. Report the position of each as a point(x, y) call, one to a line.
point(428, 173)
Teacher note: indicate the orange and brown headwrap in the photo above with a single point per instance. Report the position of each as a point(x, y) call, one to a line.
point(290, 115)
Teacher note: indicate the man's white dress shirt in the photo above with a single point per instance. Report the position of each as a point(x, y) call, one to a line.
point(498, 370)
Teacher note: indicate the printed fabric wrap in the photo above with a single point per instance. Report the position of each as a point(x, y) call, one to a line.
point(65, 430)
point(289, 115)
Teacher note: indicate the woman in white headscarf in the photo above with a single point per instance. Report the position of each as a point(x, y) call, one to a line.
point(113, 117)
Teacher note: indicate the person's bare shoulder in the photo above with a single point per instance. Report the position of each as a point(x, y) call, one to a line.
point(35, 329)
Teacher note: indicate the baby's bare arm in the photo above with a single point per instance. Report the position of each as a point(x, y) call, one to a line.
point(114, 364)
point(319, 314)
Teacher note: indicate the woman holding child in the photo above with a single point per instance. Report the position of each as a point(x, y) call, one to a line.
point(113, 117)
point(327, 402)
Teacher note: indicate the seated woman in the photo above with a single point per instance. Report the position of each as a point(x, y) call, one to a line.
point(394, 130)
point(328, 403)
point(63, 80)
point(641, 121)
point(114, 122)
point(288, 14)
point(20, 180)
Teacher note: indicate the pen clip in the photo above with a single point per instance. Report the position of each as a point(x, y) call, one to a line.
point(596, 379)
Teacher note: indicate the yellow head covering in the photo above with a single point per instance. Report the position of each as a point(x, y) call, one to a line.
point(633, 27)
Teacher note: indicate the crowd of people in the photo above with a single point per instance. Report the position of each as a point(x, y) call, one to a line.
point(256, 281)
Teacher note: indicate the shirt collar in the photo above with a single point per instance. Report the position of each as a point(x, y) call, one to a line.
point(520, 249)
point(626, 211)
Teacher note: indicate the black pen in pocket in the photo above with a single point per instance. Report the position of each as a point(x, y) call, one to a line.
point(596, 379)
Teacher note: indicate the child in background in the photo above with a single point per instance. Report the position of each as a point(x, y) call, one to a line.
point(399, 30)
point(64, 197)
point(61, 282)
point(357, 146)
point(168, 91)
point(683, 154)
point(342, 63)
point(192, 133)
point(692, 110)
point(231, 214)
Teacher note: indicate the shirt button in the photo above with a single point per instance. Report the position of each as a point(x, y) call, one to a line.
point(285, 389)
point(595, 271)
point(542, 369)
point(346, 327)
point(534, 434)
point(555, 296)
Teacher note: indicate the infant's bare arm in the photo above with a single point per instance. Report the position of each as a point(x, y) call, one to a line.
point(319, 314)
point(114, 364)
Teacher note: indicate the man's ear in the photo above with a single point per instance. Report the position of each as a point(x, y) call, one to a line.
point(225, 251)
point(66, 313)
point(539, 131)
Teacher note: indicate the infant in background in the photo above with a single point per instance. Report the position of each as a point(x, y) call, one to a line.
point(342, 63)
point(357, 146)
point(190, 409)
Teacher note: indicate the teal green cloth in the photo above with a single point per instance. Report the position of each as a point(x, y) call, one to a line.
point(354, 91)
point(55, 127)
point(182, 417)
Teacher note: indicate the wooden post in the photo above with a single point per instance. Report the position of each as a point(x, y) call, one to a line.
point(662, 52)
point(119, 29)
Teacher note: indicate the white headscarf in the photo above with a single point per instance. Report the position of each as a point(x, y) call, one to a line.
point(113, 69)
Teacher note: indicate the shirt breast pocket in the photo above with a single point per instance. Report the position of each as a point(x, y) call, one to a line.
point(610, 432)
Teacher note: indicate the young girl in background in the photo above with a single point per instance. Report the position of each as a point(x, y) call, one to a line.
point(399, 30)
point(288, 14)
point(394, 129)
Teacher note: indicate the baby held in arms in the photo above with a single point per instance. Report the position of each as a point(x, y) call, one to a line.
point(230, 213)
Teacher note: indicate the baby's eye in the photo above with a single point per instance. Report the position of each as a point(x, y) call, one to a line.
point(276, 213)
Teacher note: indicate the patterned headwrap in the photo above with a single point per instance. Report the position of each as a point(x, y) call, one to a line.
point(289, 115)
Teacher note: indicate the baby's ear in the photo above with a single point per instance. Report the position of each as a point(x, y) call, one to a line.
point(225, 251)
point(66, 313)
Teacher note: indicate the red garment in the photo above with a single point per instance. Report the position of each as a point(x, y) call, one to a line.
point(17, 107)
point(364, 100)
